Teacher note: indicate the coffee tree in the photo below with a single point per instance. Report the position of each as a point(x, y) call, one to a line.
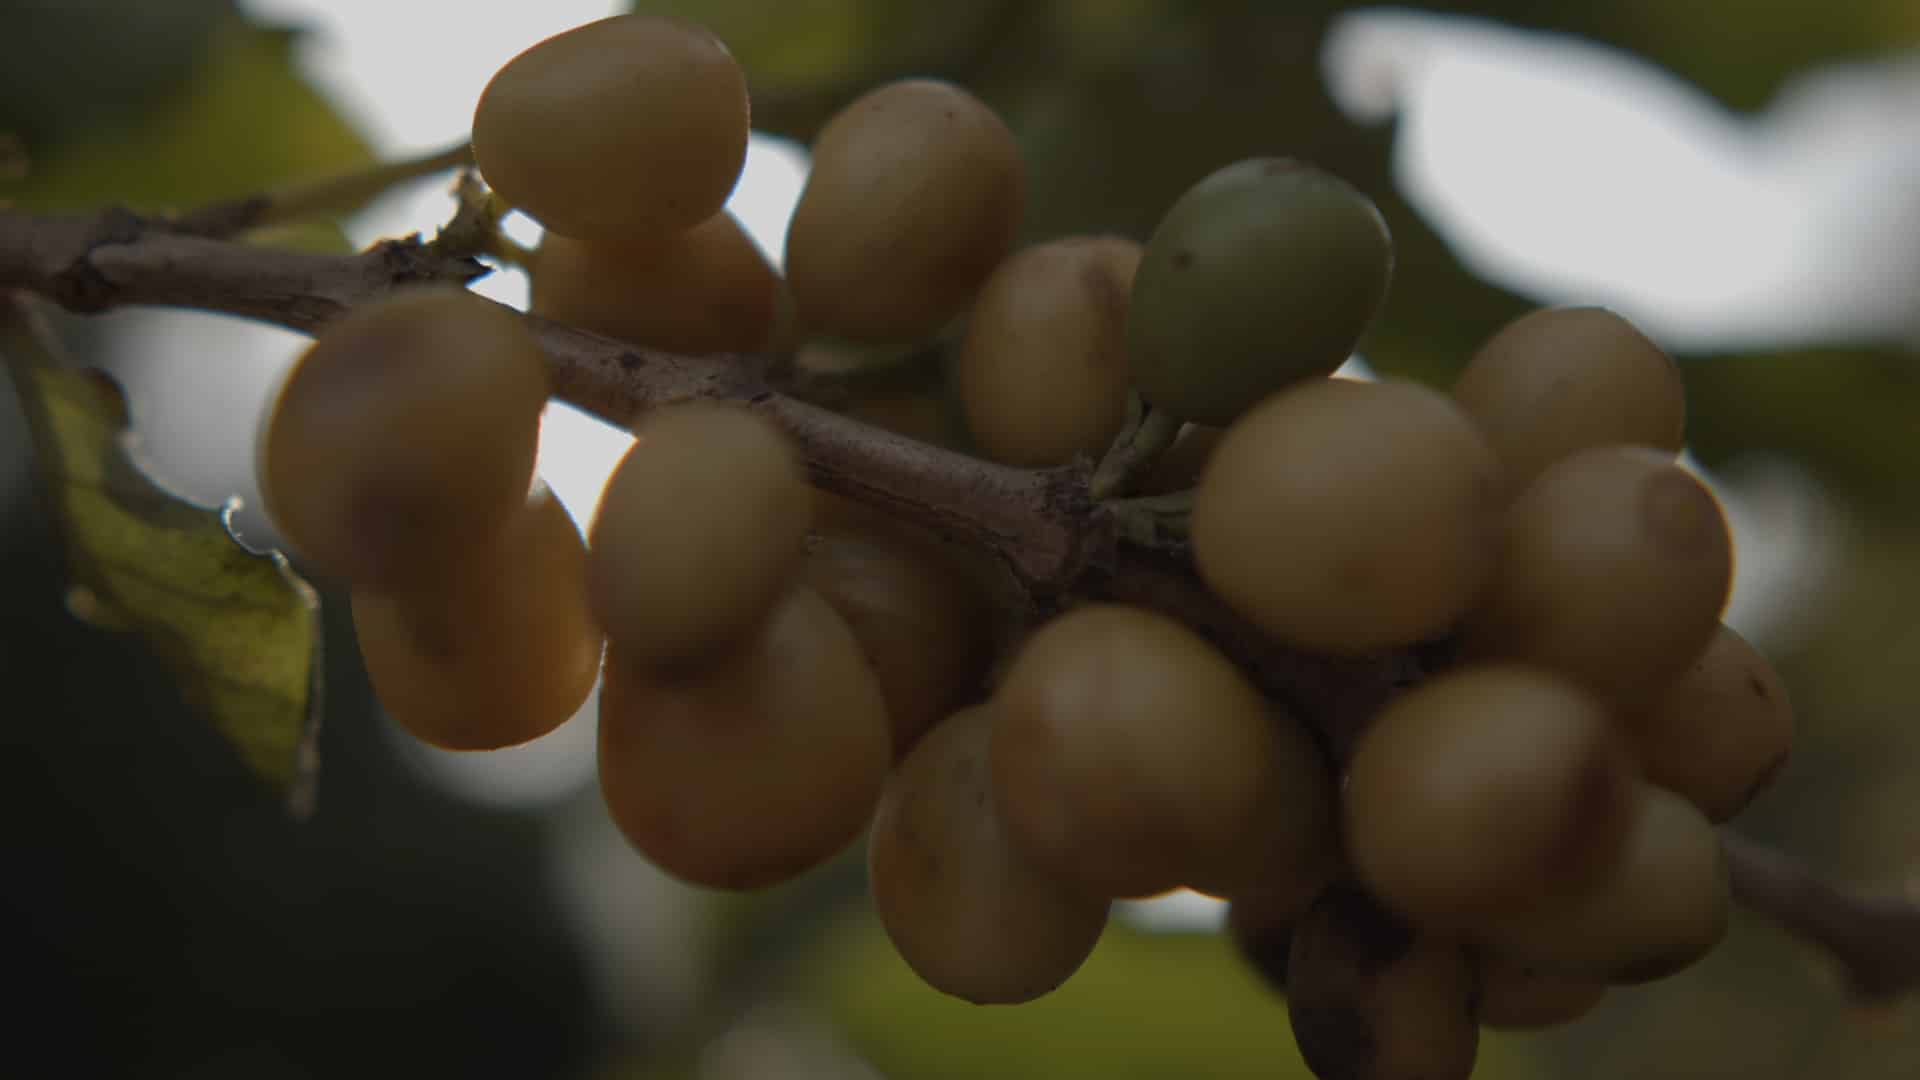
point(1430, 683)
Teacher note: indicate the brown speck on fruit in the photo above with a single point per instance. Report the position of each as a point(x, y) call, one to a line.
point(1759, 688)
point(1182, 259)
point(629, 361)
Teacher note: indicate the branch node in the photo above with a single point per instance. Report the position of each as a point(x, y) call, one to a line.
point(80, 286)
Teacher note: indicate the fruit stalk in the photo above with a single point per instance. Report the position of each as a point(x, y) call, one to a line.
point(1874, 938)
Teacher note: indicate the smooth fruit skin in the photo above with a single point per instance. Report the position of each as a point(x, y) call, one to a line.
point(965, 909)
point(1347, 516)
point(1264, 273)
point(1720, 733)
point(1615, 568)
point(707, 290)
point(1663, 905)
point(1042, 374)
point(699, 532)
point(408, 429)
point(631, 124)
point(1484, 792)
point(1560, 380)
point(1517, 997)
point(916, 193)
point(493, 649)
point(1131, 757)
point(920, 618)
point(754, 769)
point(1371, 997)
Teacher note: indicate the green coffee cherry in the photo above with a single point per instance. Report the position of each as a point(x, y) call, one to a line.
point(1262, 274)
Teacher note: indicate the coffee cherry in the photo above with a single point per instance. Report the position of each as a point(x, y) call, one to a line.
point(1516, 997)
point(1130, 757)
point(494, 646)
point(1042, 375)
point(1662, 905)
point(1561, 380)
point(707, 290)
point(1616, 566)
point(1721, 732)
point(915, 195)
point(407, 431)
point(754, 768)
point(1372, 998)
point(921, 620)
point(1348, 516)
point(969, 912)
point(1486, 792)
point(700, 530)
point(634, 124)
point(1263, 274)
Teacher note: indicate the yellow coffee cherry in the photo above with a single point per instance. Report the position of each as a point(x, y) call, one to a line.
point(753, 769)
point(1042, 374)
point(916, 193)
point(1349, 516)
point(700, 530)
point(1484, 792)
point(634, 124)
point(495, 646)
point(1615, 568)
point(707, 290)
point(1561, 380)
point(407, 431)
point(969, 912)
point(1721, 732)
point(1131, 757)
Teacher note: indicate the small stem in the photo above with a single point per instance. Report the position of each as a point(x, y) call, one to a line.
point(311, 199)
point(1155, 521)
point(1147, 435)
point(1875, 939)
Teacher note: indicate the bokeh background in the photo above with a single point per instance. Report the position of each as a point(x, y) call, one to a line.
point(1741, 179)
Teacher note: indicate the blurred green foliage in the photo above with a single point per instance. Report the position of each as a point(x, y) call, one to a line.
point(69, 67)
point(1146, 1006)
point(232, 121)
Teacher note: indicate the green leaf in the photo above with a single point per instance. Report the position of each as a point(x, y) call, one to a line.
point(243, 121)
point(239, 630)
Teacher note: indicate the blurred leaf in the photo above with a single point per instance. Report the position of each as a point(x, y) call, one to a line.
point(806, 58)
point(243, 121)
point(798, 42)
point(70, 66)
point(1144, 1005)
point(1854, 416)
point(239, 631)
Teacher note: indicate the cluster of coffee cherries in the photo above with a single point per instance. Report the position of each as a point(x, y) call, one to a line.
point(785, 670)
